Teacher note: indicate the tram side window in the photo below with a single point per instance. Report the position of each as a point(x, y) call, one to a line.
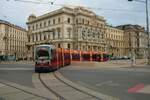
point(75, 56)
point(66, 56)
point(53, 53)
point(86, 56)
point(94, 56)
point(104, 55)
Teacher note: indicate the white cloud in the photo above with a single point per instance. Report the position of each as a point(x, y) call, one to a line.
point(17, 12)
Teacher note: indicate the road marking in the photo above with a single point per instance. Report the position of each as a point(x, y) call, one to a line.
point(1, 85)
point(109, 83)
point(146, 90)
point(16, 68)
point(104, 83)
point(136, 88)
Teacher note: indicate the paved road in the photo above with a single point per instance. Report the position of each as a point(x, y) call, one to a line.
point(17, 73)
point(123, 83)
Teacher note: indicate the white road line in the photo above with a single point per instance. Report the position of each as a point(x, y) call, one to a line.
point(16, 68)
point(1, 85)
point(104, 83)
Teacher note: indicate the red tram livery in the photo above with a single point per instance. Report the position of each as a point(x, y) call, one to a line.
point(49, 58)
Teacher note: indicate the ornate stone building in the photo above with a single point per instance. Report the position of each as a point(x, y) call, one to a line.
point(136, 40)
point(115, 41)
point(13, 40)
point(71, 28)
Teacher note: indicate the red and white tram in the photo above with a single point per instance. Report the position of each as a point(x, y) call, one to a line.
point(49, 58)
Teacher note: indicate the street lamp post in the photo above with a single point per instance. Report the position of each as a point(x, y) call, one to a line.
point(147, 26)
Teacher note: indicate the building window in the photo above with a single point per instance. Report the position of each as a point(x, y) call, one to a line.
point(58, 31)
point(36, 37)
point(29, 39)
point(36, 26)
point(49, 22)
point(40, 25)
point(88, 22)
point(53, 21)
point(32, 28)
point(44, 37)
point(68, 20)
point(28, 28)
point(58, 20)
point(53, 35)
point(44, 24)
point(69, 32)
point(76, 21)
point(59, 46)
point(68, 46)
point(82, 21)
point(40, 37)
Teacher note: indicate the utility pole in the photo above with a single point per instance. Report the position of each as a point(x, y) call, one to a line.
point(147, 26)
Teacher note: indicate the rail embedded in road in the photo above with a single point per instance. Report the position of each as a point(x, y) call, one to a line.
point(66, 90)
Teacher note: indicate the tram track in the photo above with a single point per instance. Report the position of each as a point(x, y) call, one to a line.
point(63, 90)
point(23, 90)
point(94, 97)
point(50, 89)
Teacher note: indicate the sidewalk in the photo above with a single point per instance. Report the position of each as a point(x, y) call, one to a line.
point(110, 64)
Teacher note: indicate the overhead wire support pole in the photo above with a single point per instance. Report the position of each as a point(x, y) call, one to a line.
point(147, 23)
point(147, 26)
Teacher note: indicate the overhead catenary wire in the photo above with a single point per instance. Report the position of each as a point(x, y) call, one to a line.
point(91, 8)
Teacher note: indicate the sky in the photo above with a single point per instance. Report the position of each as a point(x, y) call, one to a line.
point(116, 12)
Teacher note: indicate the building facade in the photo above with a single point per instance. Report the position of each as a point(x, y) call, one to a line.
point(13, 40)
point(136, 40)
point(70, 28)
point(115, 41)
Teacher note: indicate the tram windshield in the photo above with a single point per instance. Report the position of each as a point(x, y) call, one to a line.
point(42, 53)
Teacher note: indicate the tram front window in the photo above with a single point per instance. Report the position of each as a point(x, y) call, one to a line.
point(42, 54)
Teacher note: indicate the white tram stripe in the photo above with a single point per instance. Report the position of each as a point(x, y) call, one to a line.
point(16, 68)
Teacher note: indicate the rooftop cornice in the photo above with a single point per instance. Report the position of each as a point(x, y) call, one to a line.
point(67, 10)
point(12, 25)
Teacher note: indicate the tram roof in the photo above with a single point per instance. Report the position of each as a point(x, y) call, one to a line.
point(51, 46)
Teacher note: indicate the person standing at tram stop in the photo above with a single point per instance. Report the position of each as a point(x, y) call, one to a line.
point(132, 61)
